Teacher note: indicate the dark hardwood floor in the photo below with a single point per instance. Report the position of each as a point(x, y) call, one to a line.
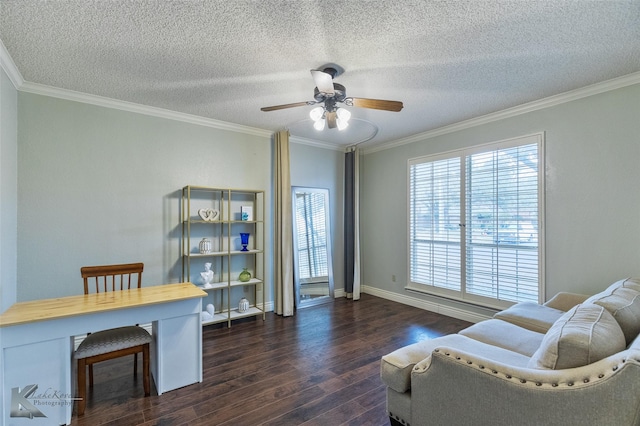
point(319, 367)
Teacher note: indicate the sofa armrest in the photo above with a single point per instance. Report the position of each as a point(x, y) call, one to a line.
point(460, 387)
point(396, 367)
point(564, 301)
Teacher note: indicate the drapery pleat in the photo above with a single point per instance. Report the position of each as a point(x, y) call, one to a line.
point(352, 224)
point(283, 256)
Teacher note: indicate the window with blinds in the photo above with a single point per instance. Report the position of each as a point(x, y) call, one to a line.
point(312, 238)
point(474, 223)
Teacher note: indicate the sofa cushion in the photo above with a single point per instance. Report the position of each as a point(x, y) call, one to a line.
point(564, 300)
point(505, 335)
point(585, 334)
point(395, 368)
point(622, 300)
point(531, 316)
point(632, 283)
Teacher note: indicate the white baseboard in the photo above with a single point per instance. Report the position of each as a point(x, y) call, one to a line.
point(427, 305)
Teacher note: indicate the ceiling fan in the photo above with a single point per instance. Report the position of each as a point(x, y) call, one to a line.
point(331, 94)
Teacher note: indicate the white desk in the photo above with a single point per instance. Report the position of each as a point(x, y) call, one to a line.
point(36, 338)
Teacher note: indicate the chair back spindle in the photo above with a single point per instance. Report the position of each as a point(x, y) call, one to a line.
point(112, 277)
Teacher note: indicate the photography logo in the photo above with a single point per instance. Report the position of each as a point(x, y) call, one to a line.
point(25, 400)
point(21, 406)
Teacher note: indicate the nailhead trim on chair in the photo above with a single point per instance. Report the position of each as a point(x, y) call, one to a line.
point(585, 381)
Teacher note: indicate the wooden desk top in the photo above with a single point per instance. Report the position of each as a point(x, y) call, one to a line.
point(62, 307)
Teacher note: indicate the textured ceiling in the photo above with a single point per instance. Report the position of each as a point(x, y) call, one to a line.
point(448, 61)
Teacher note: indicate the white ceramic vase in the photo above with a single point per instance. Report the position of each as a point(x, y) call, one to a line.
point(205, 246)
point(243, 306)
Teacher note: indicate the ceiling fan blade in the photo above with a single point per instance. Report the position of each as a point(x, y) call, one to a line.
point(394, 106)
point(331, 119)
point(277, 107)
point(323, 80)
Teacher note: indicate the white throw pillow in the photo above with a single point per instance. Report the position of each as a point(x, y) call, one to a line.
point(622, 300)
point(585, 334)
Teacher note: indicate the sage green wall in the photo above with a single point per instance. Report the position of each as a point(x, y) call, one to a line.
point(8, 190)
point(99, 185)
point(592, 193)
point(324, 168)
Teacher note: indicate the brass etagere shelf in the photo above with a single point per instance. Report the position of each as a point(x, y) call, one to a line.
point(215, 214)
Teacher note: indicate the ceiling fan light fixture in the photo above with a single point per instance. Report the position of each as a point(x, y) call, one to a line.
point(343, 114)
point(316, 113)
point(319, 124)
point(329, 94)
point(342, 120)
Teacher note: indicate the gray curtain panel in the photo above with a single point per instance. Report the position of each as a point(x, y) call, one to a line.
point(349, 220)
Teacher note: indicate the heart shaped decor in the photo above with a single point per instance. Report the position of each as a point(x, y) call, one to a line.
point(208, 215)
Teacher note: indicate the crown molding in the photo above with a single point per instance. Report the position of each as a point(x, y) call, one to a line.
point(7, 64)
point(71, 95)
point(572, 95)
point(317, 144)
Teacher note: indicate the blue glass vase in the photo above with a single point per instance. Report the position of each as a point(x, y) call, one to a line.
point(244, 239)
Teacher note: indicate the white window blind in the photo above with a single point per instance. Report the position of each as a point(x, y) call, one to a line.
point(435, 223)
point(312, 238)
point(474, 221)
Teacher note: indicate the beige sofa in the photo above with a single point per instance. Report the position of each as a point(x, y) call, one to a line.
point(573, 361)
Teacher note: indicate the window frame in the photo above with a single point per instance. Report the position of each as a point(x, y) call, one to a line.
point(463, 154)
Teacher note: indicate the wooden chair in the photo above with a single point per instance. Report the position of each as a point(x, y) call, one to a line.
point(116, 342)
